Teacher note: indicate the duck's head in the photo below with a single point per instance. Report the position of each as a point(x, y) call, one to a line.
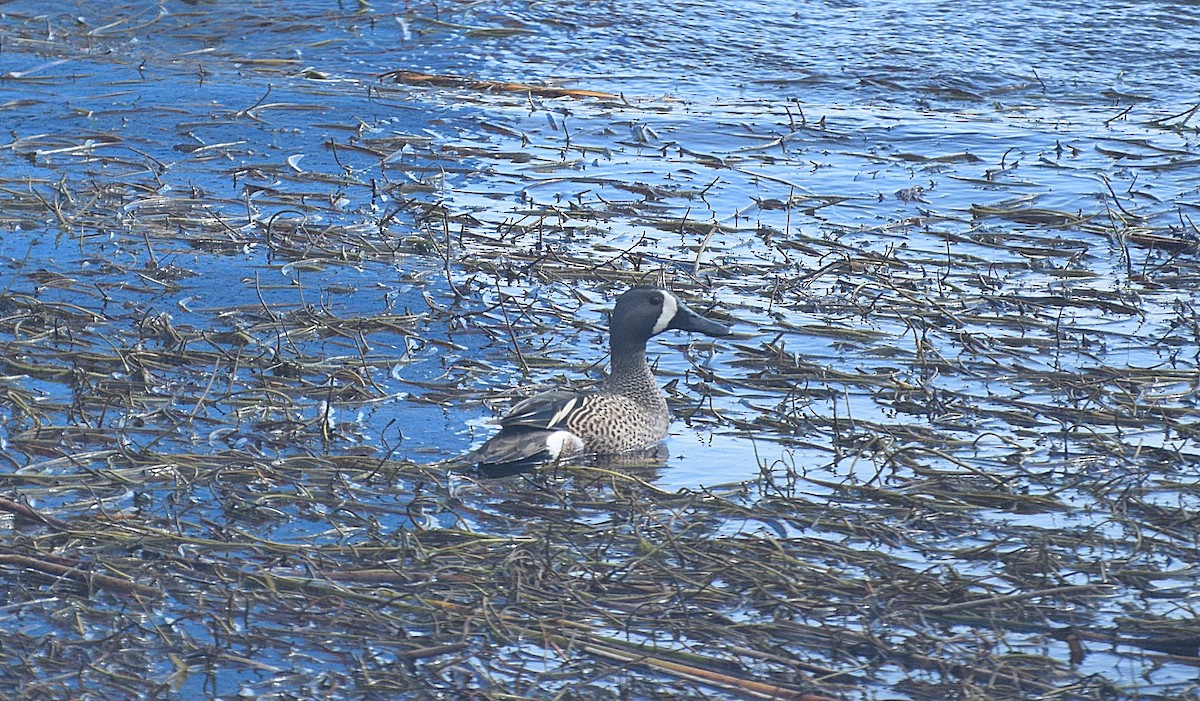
point(643, 312)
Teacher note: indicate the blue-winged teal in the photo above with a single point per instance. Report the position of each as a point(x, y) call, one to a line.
point(627, 413)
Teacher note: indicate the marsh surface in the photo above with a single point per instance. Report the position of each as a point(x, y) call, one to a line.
point(263, 267)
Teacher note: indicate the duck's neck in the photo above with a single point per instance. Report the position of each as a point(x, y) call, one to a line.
point(630, 376)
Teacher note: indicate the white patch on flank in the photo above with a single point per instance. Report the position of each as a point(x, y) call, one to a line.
point(562, 413)
point(670, 307)
point(560, 441)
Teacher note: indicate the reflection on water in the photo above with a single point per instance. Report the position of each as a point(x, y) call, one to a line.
point(948, 55)
point(644, 465)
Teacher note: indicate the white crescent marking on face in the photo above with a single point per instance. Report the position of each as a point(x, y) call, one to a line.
point(562, 413)
point(560, 441)
point(670, 307)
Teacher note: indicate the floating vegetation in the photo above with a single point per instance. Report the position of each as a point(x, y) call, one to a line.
point(445, 81)
point(248, 320)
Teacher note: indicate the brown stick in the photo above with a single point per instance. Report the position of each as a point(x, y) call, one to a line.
point(73, 572)
point(1053, 591)
point(16, 507)
point(453, 81)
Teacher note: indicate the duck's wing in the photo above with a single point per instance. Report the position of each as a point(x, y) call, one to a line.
point(548, 410)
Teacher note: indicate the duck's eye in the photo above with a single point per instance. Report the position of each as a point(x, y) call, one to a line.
point(656, 299)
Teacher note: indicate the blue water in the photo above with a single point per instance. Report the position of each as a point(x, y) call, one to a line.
point(231, 169)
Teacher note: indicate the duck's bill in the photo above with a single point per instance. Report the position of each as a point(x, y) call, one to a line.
point(688, 320)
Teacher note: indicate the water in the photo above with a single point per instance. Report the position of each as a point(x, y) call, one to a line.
point(958, 240)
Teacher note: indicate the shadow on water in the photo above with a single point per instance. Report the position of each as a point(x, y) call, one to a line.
point(264, 268)
point(643, 464)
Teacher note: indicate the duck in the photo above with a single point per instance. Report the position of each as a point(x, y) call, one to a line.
point(627, 413)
